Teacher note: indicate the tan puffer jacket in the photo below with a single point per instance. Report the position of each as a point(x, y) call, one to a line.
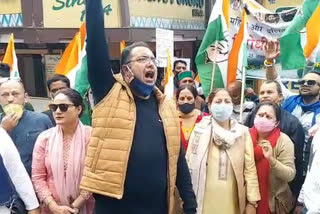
point(113, 123)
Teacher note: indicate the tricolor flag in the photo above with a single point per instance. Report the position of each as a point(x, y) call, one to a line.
point(293, 52)
point(73, 64)
point(238, 54)
point(214, 51)
point(122, 45)
point(10, 58)
point(169, 79)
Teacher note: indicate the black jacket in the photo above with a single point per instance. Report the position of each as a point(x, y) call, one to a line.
point(50, 115)
point(292, 127)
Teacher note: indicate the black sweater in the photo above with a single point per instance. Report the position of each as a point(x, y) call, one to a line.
point(146, 179)
point(292, 127)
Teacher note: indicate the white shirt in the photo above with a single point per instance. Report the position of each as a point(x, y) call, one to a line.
point(247, 108)
point(17, 173)
point(310, 192)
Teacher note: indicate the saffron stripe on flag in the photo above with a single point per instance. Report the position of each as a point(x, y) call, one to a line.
point(234, 61)
point(313, 32)
point(10, 58)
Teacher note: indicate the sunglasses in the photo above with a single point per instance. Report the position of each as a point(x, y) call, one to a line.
point(63, 107)
point(309, 82)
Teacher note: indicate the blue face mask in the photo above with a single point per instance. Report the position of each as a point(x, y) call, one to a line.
point(221, 112)
point(140, 88)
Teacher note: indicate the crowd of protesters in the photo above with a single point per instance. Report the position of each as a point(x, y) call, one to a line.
point(147, 154)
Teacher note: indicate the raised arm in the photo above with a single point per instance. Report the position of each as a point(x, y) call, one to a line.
point(99, 66)
point(271, 54)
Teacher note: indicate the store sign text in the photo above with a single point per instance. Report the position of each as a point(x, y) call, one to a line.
point(63, 4)
point(191, 3)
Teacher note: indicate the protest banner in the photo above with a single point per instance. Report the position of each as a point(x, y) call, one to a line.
point(164, 43)
point(262, 25)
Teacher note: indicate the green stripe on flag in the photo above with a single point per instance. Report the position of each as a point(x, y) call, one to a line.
point(82, 86)
point(213, 34)
point(292, 56)
point(205, 72)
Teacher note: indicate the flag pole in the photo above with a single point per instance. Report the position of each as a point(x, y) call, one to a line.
point(212, 76)
point(213, 69)
point(242, 92)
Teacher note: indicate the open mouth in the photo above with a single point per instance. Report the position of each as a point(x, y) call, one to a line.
point(304, 89)
point(149, 76)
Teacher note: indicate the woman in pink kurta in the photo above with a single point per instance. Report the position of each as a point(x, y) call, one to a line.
point(58, 159)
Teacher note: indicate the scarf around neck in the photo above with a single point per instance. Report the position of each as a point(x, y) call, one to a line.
point(224, 138)
point(291, 103)
point(67, 181)
point(263, 168)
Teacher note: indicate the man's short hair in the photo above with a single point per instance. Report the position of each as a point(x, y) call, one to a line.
point(56, 78)
point(279, 90)
point(126, 53)
point(4, 70)
point(314, 72)
point(179, 61)
point(18, 80)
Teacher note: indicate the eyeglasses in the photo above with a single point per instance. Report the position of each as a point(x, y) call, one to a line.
point(63, 107)
point(309, 82)
point(144, 60)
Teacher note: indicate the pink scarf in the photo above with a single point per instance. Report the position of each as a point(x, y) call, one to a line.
point(67, 183)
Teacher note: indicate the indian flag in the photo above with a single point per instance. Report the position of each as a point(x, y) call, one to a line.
point(122, 45)
point(217, 63)
point(238, 54)
point(294, 53)
point(10, 58)
point(169, 83)
point(73, 64)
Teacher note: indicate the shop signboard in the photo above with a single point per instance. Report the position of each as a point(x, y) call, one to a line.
point(70, 13)
point(10, 13)
point(168, 14)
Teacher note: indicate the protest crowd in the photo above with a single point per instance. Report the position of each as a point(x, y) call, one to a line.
point(208, 146)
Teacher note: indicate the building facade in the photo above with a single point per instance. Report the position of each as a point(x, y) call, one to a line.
point(43, 28)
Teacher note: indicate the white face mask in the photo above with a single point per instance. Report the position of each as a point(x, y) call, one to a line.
point(222, 111)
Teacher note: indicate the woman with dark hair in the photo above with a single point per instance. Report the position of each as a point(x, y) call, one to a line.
point(58, 158)
point(221, 161)
point(274, 157)
point(188, 114)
